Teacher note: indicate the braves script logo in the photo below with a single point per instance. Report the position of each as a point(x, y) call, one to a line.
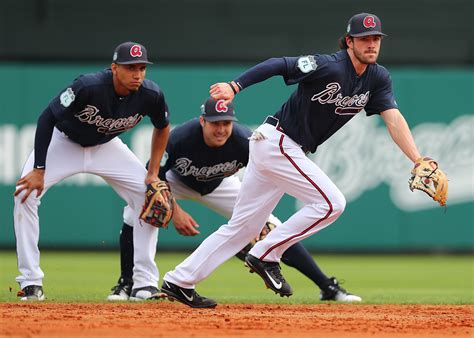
point(347, 105)
point(136, 51)
point(369, 21)
point(221, 107)
point(184, 167)
point(107, 126)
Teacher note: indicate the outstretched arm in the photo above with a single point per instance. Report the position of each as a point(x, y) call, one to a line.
point(398, 128)
point(426, 175)
point(256, 74)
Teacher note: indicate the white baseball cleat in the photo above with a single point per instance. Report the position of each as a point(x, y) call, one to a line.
point(31, 293)
point(335, 292)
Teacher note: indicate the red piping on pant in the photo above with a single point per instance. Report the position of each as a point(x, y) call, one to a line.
point(314, 185)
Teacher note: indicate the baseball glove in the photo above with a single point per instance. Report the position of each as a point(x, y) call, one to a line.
point(266, 229)
point(159, 205)
point(426, 176)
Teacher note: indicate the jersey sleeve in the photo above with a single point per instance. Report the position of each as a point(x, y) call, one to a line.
point(382, 97)
point(260, 72)
point(64, 105)
point(44, 132)
point(300, 68)
point(160, 114)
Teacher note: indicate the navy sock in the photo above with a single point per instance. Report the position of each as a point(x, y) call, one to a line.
point(126, 253)
point(299, 258)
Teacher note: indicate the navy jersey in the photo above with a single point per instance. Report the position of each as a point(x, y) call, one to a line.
point(329, 94)
point(199, 166)
point(89, 111)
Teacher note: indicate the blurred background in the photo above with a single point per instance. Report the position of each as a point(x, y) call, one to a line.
point(429, 51)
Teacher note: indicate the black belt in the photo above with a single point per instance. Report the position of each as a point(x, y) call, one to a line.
point(276, 123)
point(272, 120)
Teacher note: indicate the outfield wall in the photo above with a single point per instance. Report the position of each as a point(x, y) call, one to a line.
point(434, 32)
point(381, 214)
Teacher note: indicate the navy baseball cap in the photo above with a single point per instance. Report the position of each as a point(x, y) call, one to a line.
point(364, 24)
point(128, 53)
point(214, 111)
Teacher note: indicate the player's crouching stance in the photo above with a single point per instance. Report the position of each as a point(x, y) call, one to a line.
point(77, 133)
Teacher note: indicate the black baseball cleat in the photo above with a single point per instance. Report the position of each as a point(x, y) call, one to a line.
point(31, 292)
point(187, 296)
point(271, 275)
point(335, 292)
point(146, 293)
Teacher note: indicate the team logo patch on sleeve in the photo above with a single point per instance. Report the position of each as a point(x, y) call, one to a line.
point(67, 97)
point(307, 64)
point(164, 159)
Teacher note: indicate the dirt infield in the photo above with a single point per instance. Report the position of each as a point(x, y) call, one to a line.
point(165, 319)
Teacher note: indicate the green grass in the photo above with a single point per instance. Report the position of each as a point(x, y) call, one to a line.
point(408, 279)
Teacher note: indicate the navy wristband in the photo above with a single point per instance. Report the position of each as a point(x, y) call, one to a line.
point(232, 86)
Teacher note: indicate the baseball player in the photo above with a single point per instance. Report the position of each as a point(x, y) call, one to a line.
point(77, 133)
point(331, 90)
point(199, 164)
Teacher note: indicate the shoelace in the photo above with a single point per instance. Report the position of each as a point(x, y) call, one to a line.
point(274, 268)
point(194, 295)
point(117, 288)
point(197, 296)
point(339, 287)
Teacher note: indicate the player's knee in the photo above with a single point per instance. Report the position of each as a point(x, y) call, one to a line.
point(334, 205)
point(338, 204)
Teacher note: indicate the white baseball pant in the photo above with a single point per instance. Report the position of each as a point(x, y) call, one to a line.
point(277, 165)
point(221, 200)
point(119, 167)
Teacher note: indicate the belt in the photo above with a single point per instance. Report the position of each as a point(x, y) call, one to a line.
point(276, 123)
point(272, 120)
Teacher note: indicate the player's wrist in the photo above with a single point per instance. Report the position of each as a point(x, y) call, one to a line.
point(151, 178)
point(235, 88)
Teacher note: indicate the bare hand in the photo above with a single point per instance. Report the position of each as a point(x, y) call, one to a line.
point(34, 180)
point(184, 223)
point(222, 91)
